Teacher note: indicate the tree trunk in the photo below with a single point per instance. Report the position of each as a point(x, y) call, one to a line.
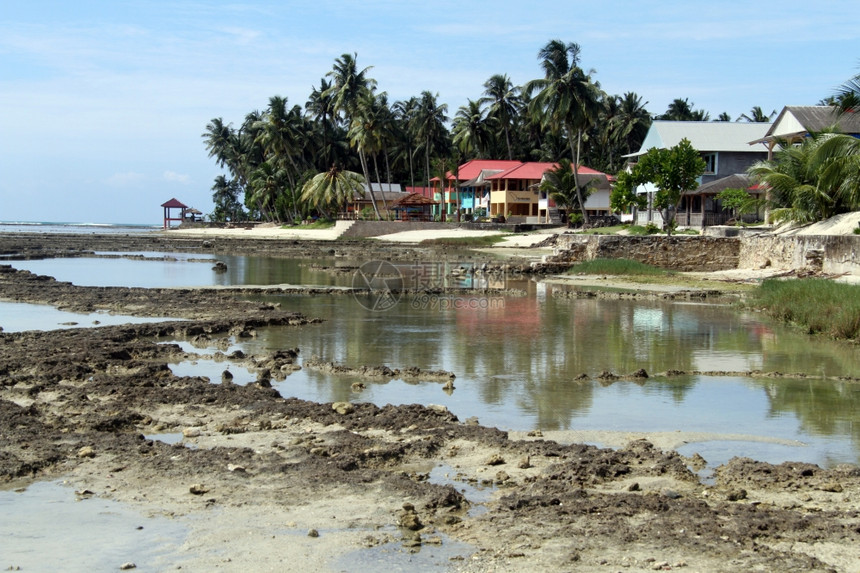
point(364, 168)
point(381, 192)
point(575, 155)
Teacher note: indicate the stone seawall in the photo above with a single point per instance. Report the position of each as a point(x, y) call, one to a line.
point(681, 252)
point(831, 254)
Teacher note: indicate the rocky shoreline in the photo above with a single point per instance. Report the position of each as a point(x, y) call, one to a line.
point(283, 484)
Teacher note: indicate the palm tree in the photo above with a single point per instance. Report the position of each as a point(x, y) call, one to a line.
point(227, 206)
point(756, 115)
point(281, 134)
point(682, 110)
point(320, 108)
point(331, 191)
point(505, 104)
point(724, 116)
point(631, 122)
point(848, 95)
point(430, 127)
point(566, 99)
point(560, 184)
point(351, 86)
point(404, 116)
point(838, 160)
point(473, 130)
point(794, 185)
point(266, 183)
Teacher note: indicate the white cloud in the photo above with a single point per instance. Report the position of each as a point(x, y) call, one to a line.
point(174, 177)
point(128, 179)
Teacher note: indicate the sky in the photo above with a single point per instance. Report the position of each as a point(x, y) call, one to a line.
point(103, 102)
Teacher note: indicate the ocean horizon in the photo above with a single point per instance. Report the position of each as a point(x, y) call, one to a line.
point(75, 227)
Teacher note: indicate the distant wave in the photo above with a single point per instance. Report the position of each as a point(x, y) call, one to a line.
point(56, 227)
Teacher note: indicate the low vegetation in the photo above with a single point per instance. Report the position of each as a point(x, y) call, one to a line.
point(618, 267)
point(484, 241)
point(820, 306)
point(318, 224)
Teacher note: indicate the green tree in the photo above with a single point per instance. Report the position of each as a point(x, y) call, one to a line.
point(623, 196)
point(225, 194)
point(756, 115)
point(672, 171)
point(560, 184)
point(847, 97)
point(350, 88)
point(505, 104)
point(429, 128)
point(566, 100)
point(813, 180)
point(332, 190)
point(473, 129)
point(631, 122)
point(740, 201)
point(682, 110)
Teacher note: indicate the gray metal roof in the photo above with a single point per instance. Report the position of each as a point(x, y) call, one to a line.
point(705, 136)
point(812, 118)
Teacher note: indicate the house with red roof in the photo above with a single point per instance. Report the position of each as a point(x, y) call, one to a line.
point(508, 188)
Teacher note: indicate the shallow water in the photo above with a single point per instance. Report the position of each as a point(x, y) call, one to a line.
point(18, 317)
point(48, 528)
point(517, 358)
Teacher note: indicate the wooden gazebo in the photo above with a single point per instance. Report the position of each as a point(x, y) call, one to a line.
point(413, 207)
point(173, 204)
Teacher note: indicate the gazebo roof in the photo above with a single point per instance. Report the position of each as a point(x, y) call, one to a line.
point(413, 199)
point(174, 203)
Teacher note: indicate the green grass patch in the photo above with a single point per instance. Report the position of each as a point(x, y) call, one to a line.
point(603, 230)
point(318, 224)
point(483, 241)
point(618, 267)
point(819, 306)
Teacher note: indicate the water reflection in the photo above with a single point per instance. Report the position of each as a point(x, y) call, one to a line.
point(518, 358)
point(517, 365)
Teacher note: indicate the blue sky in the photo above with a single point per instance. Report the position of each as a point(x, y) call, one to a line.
point(103, 102)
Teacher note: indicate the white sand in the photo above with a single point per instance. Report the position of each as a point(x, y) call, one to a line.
point(267, 231)
point(843, 224)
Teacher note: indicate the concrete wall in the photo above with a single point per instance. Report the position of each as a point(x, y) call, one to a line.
point(831, 254)
point(681, 253)
point(362, 229)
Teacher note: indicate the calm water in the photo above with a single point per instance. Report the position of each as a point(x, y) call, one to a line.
point(516, 359)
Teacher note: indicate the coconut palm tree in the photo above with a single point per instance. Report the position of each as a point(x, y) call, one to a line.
point(848, 95)
point(282, 135)
point(267, 181)
point(560, 184)
point(566, 99)
point(505, 104)
point(331, 191)
point(793, 183)
point(756, 115)
point(631, 122)
point(682, 110)
point(224, 195)
point(404, 116)
point(350, 87)
point(429, 122)
point(473, 130)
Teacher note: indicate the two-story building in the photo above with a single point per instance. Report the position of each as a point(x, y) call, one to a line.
point(501, 188)
point(725, 147)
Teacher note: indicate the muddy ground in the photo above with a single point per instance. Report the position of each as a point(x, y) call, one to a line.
point(269, 482)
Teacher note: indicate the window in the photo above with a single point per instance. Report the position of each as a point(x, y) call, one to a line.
point(710, 163)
